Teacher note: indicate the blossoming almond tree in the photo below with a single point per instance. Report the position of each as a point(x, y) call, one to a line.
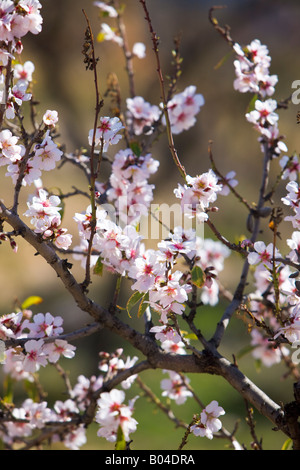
point(170, 284)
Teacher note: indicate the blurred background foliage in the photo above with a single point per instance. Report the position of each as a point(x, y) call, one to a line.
point(62, 83)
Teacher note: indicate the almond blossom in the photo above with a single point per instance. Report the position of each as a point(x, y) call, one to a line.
point(106, 133)
point(263, 113)
point(24, 71)
point(10, 150)
point(263, 254)
point(43, 325)
point(209, 422)
point(174, 388)
point(141, 114)
point(50, 117)
point(35, 356)
point(58, 348)
point(113, 413)
point(111, 11)
point(183, 108)
point(108, 34)
point(46, 154)
point(197, 195)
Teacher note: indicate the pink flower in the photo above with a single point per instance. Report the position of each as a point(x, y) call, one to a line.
point(174, 388)
point(166, 333)
point(58, 348)
point(44, 325)
point(76, 438)
point(145, 270)
point(290, 167)
point(264, 113)
point(264, 350)
point(43, 207)
point(50, 118)
point(10, 151)
point(262, 254)
point(46, 154)
point(209, 422)
point(37, 413)
point(182, 109)
point(141, 114)
point(35, 356)
point(66, 410)
point(112, 413)
point(106, 133)
point(24, 71)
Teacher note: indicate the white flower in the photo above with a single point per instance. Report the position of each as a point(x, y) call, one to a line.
point(25, 71)
point(108, 34)
point(139, 50)
point(111, 11)
point(112, 413)
point(47, 153)
point(182, 109)
point(50, 118)
point(209, 422)
point(10, 152)
point(58, 348)
point(35, 356)
point(107, 133)
point(262, 254)
point(174, 388)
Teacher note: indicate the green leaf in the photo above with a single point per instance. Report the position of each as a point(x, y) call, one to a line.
point(251, 105)
point(198, 276)
point(136, 296)
point(135, 147)
point(98, 268)
point(244, 351)
point(143, 305)
point(223, 60)
point(287, 445)
point(32, 390)
point(190, 336)
point(32, 300)
point(120, 442)
point(8, 390)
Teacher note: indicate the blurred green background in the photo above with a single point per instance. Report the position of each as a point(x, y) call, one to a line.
point(62, 83)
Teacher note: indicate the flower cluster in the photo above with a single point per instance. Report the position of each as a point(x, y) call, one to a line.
point(175, 388)
point(106, 133)
point(17, 19)
point(290, 167)
point(268, 273)
point(252, 69)
point(129, 189)
point(113, 34)
point(113, 415)
point(208, 423)
point(38, 351)
point(183, 108)
point(252, 75)
point(45, 215)
point(141, 115)
point(166, 288)
point(198, 194)
point(116, 247)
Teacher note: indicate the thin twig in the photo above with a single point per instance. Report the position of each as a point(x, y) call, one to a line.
point(95, 161)
point(162, 90)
